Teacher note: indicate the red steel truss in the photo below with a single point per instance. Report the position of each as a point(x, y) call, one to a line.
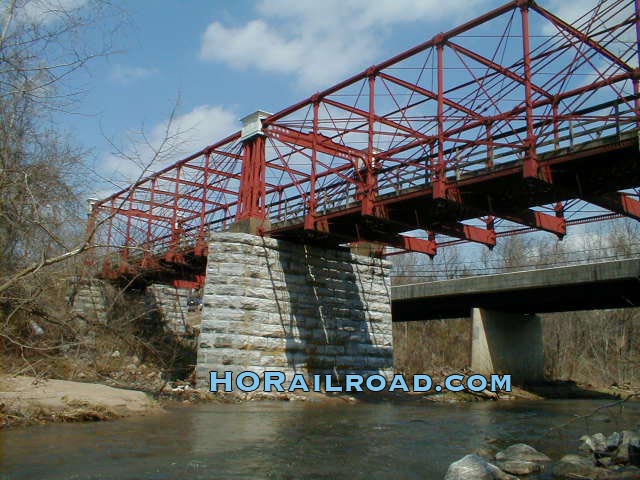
point(516, 121)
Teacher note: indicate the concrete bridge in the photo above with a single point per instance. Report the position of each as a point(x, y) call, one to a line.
point(507, 333)
point(598, 285)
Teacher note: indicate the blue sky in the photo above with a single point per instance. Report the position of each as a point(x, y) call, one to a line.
point(226, 59)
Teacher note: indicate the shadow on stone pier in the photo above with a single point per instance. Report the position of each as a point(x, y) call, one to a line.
point(275, 305)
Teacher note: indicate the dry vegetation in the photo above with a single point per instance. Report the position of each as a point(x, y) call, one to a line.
point(43, 177)
point(75, 412)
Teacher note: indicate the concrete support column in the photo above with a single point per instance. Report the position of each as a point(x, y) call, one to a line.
point(507, 343)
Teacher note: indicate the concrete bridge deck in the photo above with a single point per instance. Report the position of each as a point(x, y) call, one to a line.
point(609, 284)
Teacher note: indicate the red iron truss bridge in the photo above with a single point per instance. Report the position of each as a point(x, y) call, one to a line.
point(516, 121)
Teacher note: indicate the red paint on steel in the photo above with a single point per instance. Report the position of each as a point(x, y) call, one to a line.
point(418, 134)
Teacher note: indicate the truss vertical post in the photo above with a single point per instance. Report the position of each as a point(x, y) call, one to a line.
point(90, 259)
point(125, 251)
point(176, 227)
point(532, 168)
point(112, 211)
point(636, 80)
point(439, 174)
point(370, 182)
point(201, 243)
point(148, 243)
point(490, 153)
point(556, 125)
point(205, 184)
point(252, 193)
point(312, 202)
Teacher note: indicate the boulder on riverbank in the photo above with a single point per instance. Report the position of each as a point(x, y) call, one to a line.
point(474, 467)
point(523, 453)
point(520, 459)
point(619, 448)
point(25, 400)
point(577, 466)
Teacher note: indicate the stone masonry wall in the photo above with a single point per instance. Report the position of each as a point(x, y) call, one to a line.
point(275, 305)
point(171, 304)
point(88, 298)
point(91, 299)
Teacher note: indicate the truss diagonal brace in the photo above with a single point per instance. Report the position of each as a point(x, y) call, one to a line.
point(323, 144)
point(429, 94)
point(496, 67)
point(580, 36)
point(134, 212)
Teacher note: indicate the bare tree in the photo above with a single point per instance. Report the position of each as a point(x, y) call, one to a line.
point(43, 44)
point(40, 186)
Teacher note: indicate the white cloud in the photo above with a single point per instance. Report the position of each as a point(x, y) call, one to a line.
point(189, 133)
point(44, 12)
point(321, 42)
point(580, 13)
point(127, 74)
point(570, 12)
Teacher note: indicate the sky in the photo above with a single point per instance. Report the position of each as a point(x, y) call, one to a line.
point(220, 60)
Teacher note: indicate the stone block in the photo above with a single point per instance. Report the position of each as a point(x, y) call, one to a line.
point(271, 304)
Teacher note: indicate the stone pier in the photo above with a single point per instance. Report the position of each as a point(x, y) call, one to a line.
point(274, 305)
point(507, 343)
point(93, 299)
point(172, 306)
point(88, 298)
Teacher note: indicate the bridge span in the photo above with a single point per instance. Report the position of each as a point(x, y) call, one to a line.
point(592, 286)
point(506, 330)
point(516, 121)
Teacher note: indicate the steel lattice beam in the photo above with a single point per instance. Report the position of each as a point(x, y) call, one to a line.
point(432, 129)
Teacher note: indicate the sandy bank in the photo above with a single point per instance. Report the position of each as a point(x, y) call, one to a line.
point(25, 400)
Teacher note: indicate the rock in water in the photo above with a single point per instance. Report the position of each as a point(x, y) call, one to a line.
point(613, 441)
point(622, 454)
point(634, 452)
point(575, 466)
point(520, 467)
point(474, 467)
point(586, 444)
point(487, 453)
point(522, 452)
point(599, 443)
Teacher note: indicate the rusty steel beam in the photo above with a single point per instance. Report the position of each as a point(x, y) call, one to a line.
point(616, 202)
point(468, 232)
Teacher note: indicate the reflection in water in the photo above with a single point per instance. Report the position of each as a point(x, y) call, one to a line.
point(296, 440)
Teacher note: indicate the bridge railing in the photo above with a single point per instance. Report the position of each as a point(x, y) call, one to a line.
point(404, 274)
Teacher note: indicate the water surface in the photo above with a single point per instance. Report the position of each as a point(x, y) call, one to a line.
point(298, 440)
